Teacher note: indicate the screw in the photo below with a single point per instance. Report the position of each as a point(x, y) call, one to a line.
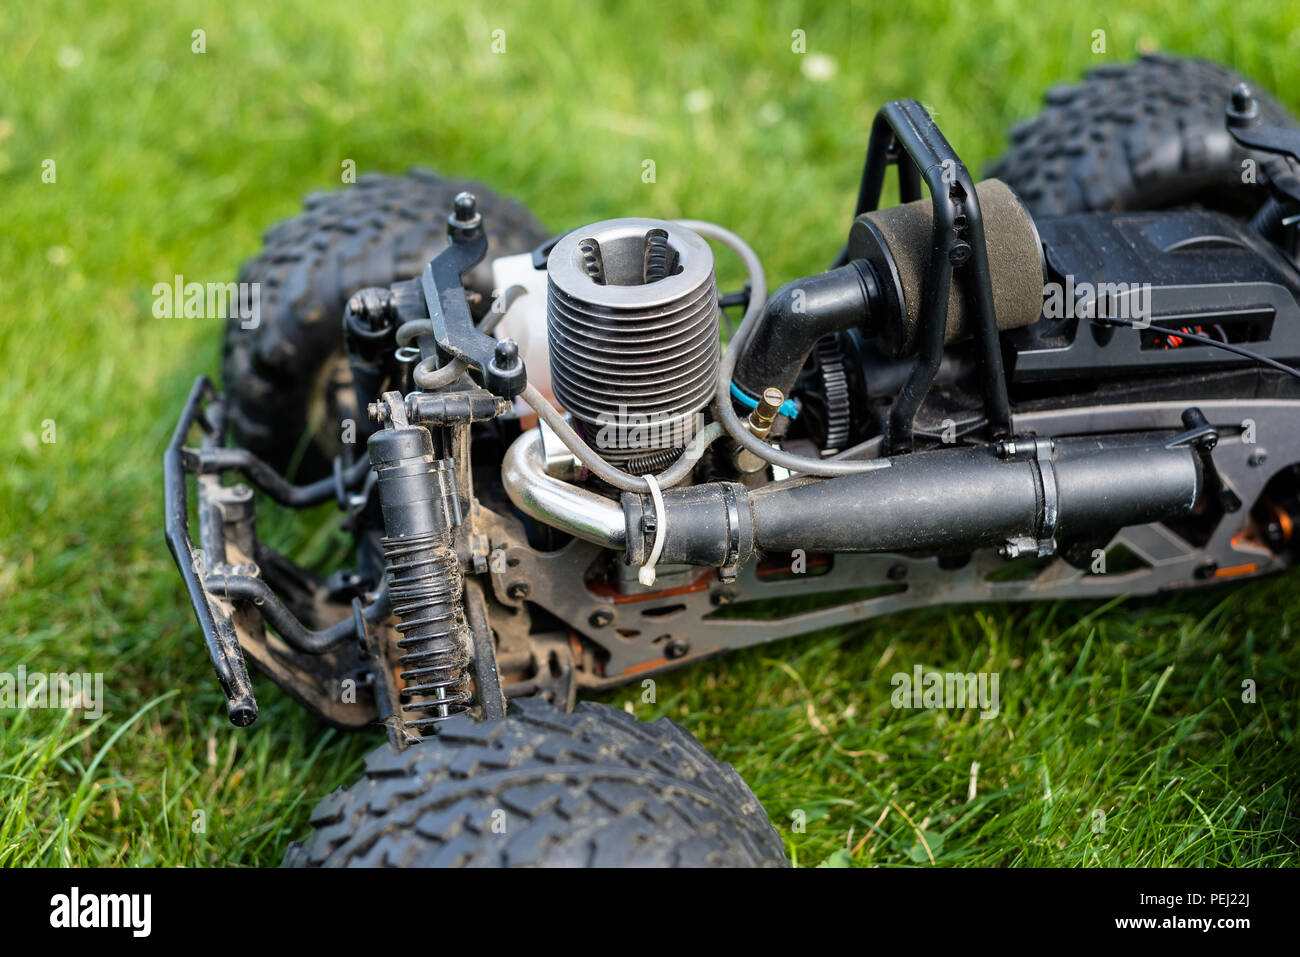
point(959, 254)
point(1257, 458)
point(601, 617)
point(518, 590)
point(677, 648)
point(897, 572)
point(1206, 569)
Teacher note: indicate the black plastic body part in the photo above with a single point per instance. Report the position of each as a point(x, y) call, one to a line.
point(1247, 127)
point(1168, 270)
point(487, 679)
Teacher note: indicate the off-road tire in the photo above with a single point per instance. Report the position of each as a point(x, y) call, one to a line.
point(1143, 135)
point(286, 372)
point(542, 787)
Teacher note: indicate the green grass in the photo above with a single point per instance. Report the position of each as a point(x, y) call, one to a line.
point(174, 162)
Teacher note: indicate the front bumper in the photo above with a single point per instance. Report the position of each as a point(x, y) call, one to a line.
point(235, 582)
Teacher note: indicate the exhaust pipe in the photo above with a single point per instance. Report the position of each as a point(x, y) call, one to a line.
point(1019, 496)
point(581, 513)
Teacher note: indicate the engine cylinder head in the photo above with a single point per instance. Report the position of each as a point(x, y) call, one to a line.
point(632, 322)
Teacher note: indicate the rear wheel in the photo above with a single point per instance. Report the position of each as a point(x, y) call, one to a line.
point(1142, 135)
point(541, 787)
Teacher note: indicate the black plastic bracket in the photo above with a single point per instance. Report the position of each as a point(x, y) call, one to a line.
point(903, 128)
point(218, 633)
point(1246, 127)
point(453, 326)
point(487, 679)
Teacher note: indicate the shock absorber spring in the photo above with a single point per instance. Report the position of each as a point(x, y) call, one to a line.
point(425, 585)
point(417, 498)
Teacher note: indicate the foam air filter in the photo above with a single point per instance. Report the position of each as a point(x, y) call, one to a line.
point(896, 242)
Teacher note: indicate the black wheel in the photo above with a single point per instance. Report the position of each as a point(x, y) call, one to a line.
point(1142, 135)
point(288, 376)
point(542, 787)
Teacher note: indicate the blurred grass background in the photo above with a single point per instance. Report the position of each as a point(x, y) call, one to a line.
point(170, 161)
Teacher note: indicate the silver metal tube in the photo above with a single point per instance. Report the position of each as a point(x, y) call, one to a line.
point(567, 507)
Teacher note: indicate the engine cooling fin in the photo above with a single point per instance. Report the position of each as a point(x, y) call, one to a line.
point(632, 325)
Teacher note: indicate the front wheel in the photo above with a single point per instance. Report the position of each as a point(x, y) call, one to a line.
point(541, 787)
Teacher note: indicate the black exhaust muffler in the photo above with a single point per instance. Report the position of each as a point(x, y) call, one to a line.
point(1019, 496)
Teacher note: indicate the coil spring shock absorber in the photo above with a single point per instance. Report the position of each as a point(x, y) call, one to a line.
point(417, 498)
